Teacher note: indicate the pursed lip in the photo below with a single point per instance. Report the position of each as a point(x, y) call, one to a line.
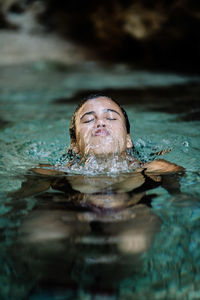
point(101, 132)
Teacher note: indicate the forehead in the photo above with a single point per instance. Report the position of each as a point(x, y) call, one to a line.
point(98, 104)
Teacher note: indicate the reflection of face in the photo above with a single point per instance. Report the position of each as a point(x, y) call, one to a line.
point(100, 128)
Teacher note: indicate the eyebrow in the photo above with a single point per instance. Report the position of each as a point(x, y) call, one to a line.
point(112, 110)
point(88, 113)
point(105, 110)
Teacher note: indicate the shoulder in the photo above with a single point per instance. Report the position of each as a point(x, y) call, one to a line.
point(46, 169)
point(162, 166)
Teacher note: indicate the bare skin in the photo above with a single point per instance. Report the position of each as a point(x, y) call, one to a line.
point(90, 186)
point(101, 131)
point(100, 128)
point(110, 210)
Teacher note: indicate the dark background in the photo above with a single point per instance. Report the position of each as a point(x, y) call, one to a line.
point(156, 35)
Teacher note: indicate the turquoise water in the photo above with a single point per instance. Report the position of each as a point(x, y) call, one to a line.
point(36, 106)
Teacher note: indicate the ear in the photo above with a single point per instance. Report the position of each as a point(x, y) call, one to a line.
point(129, 143)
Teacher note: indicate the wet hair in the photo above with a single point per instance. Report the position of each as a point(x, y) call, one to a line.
point(72, 129)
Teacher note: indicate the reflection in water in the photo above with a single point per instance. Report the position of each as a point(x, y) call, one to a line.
point(83, 249)
point(36, 109)
point(85, 232)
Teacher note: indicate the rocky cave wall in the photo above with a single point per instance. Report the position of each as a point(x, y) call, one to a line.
point(149, 34)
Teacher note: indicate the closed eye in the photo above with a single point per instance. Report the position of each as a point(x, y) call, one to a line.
point(111, 119)
point(88, 121)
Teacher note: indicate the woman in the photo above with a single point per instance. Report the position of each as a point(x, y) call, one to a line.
point(100, 140)
point(100, 129)
point(94, 230)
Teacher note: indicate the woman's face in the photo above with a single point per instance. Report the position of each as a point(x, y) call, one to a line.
point(101, 128)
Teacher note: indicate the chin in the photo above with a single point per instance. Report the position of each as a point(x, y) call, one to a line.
point(103, 148)
point(104, 151)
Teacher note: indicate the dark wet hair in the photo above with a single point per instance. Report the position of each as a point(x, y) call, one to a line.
point(72, 129)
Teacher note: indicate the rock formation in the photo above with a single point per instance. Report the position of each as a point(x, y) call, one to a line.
point(157, 34)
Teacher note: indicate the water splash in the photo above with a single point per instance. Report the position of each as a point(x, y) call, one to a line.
point(93, 165)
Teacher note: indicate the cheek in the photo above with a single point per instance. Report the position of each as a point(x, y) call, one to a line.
point(121, 136)
point(83, 134)
point(119, 130)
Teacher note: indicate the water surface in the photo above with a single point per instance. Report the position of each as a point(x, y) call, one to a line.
point(53, 249)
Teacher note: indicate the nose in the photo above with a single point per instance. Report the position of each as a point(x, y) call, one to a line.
point(100, 123)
